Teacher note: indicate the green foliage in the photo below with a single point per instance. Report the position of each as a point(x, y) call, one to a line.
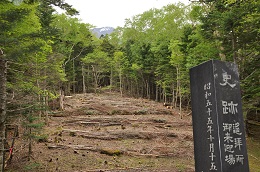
point(234, 26)
point(73, 42)
point(251, 92)
point(32, 166)
point(149, 57)
point(17, 24)
point(253, 154)
point(32, 124)
point(99, 63)
point(60, 3)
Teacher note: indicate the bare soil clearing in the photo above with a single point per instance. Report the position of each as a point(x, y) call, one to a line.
point(107, 132)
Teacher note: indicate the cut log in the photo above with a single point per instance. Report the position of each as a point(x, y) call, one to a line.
point(126, 134)
point(112, 152)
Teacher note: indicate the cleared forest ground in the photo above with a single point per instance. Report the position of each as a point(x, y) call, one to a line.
point(107, 132)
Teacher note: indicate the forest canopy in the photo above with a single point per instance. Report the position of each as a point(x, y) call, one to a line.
point(150, 57)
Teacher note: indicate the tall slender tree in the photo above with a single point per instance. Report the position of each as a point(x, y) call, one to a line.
point(3, 67)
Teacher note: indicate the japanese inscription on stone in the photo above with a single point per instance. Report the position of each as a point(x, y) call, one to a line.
point(218, 126)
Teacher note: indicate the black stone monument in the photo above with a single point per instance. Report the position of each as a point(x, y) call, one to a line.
point(218, 125)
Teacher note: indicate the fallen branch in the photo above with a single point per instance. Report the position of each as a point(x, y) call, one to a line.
point(57, 147)
point(111, 152)
point(150, 155)
point(253, 156)
point(115, 135)
point(118, 169)
point(15, 110)
point(253, 122)
point(11, 149)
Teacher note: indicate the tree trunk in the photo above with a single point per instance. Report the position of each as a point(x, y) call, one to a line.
point(111, 79)
point(180, 97)
point(156, 93)
point(46, 100)
point(233, 39)
point(177, 87)
point(148, 96)
point(95, 75)
point(164, 95)
point(120, 82)
point(178, 93)
point(30, 145)
point(88, 80)
point(3, 66)
point(61, 100)
point(83, 79)
point(74, 76)
point(160, 93)
point(173, 95)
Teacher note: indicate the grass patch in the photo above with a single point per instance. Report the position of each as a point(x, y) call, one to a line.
point(116, 112)
point(89, 112)
point(141, 112)
point(135, 125)
point(253, 151)
point(32, 166)
point(111, 152)
point(42, 138)
point(181, 167)
point(159, 120)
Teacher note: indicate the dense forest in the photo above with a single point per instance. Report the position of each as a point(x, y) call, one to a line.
point(49, 55)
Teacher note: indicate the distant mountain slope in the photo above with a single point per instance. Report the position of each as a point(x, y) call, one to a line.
point(102, 31)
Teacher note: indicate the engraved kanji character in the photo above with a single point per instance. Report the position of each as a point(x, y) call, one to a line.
point(230, 159)
point(208, 103)
point(209, 111)
point(210, 122)
point(210, 129)
point(227, 127)
point(238, 143)
point(226, 79)
point(211, 138)
point(207, 95)
point(228, 138)
point(213, 167)
point(207, 86)
point(225, 107)
point(212, 156)
point(211, 147)
point(228, 148)
point(232, 107)
point(240, 159)
point(236, 129)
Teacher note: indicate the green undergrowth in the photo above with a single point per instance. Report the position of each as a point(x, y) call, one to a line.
point(253, 148)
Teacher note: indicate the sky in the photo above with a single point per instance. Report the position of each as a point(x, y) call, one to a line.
point(105, 13)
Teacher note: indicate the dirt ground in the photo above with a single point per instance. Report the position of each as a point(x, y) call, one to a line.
point(106, 132)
